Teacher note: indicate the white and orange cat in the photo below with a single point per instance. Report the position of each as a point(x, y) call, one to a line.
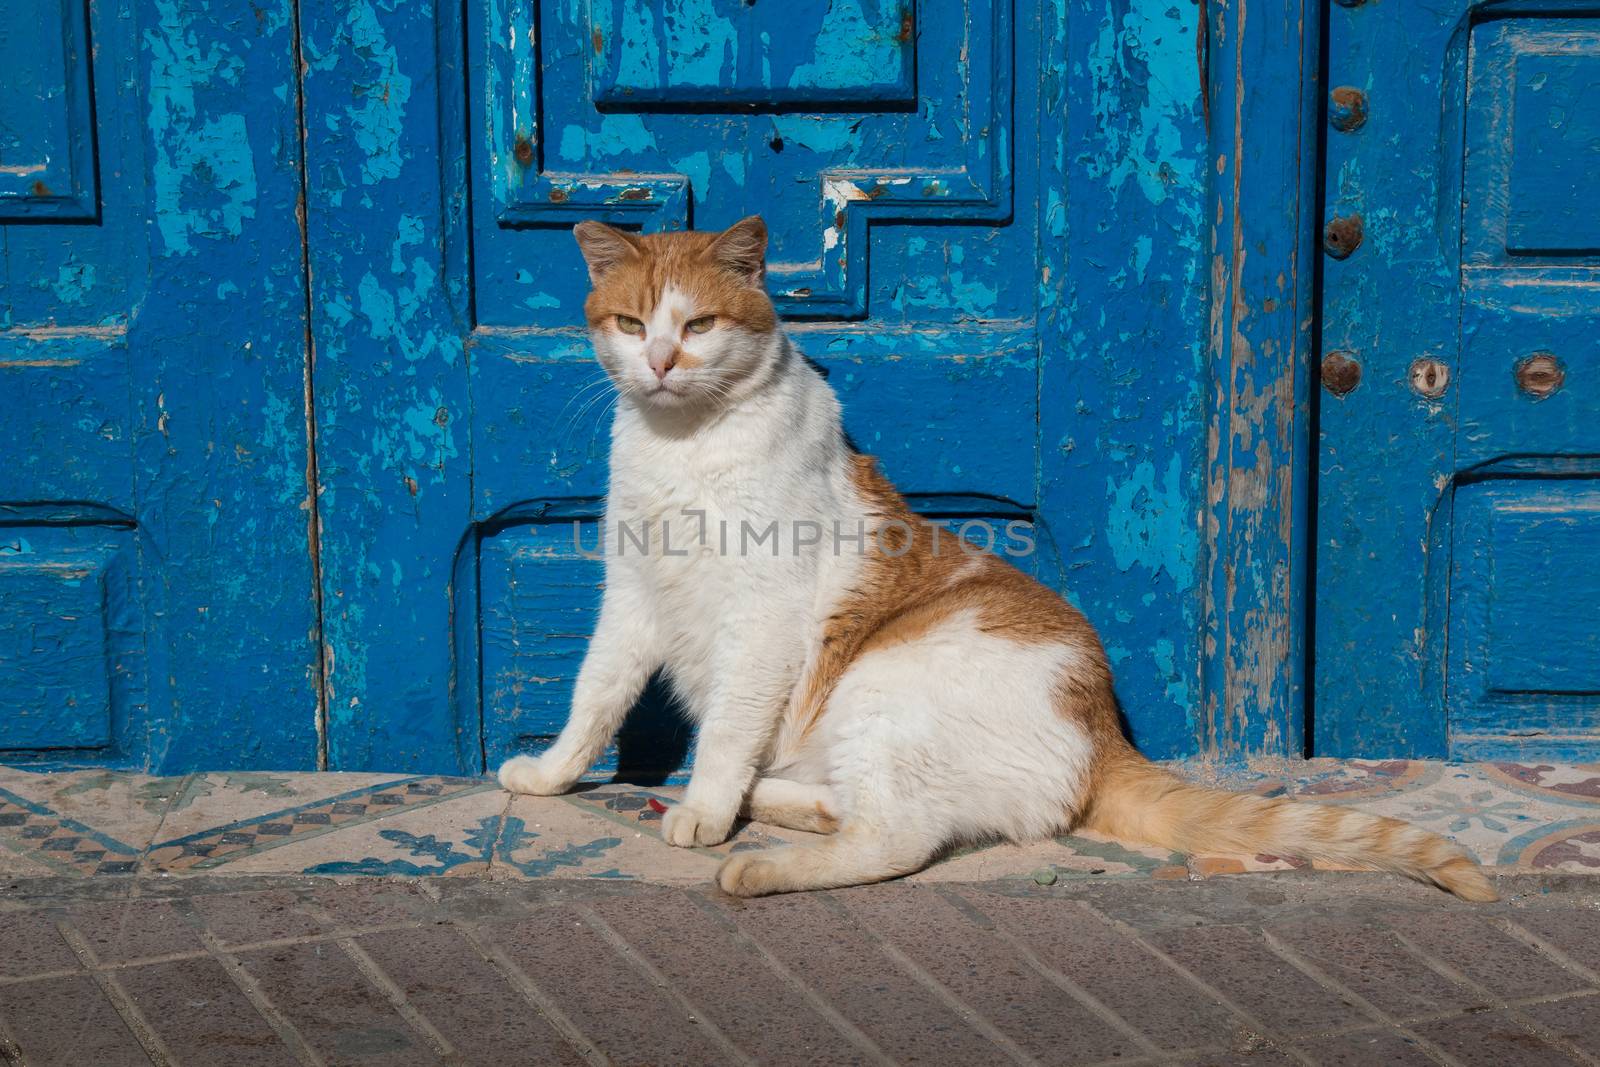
point(895, 692)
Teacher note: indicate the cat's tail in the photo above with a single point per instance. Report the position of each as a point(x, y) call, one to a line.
point(1135, 800)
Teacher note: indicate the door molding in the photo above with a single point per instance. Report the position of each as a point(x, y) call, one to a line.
point(1264, 211)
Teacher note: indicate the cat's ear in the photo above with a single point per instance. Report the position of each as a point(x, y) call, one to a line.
point(742, 249)
point(603, 247)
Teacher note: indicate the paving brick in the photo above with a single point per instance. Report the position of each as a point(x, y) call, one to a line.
point(374, 903)
point(242, 918)
point(1575, 1019)
point(68, 1022)
point(847, 969)
point(609, 1002)
point(1366, 1048)
point(1372, 963)
point(1490, 957)
point(466, 998)
point(133, 929)
point(334, 1007)
point(33, 945)
point(1136, 985)
point(987, 975)
point(1491, 1039)
point(1237, 962)
point(1260, 1057)
point(730, 982)
point(201, 1015)
point(1576, 931)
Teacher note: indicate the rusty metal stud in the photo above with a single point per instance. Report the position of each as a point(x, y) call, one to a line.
point(1342, 235)
point(1347, 109)
point(523, 151)
point(1429, 378)
point(1540, 375)
point(1340, 373)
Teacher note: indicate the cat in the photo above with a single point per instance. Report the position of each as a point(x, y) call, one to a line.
point(895, 692)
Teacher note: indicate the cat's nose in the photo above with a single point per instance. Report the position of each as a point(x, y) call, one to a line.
point(662, 356)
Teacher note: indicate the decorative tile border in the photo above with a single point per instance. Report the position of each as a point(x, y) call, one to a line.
point(213, 847)
point(64, 845)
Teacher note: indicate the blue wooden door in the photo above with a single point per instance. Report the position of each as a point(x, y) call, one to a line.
point(157, 607)
point(1458, 531)
point(909, 160)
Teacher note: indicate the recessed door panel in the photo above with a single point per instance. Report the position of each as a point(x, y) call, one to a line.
point(1525, 615)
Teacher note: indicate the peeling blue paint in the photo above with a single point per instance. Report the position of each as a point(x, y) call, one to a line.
point(697, 165)
point(702, 44)
point(1150, 525)
point(73, 282)
point(377, 122)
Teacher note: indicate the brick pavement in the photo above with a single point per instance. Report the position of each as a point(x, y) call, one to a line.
point(1263, 970)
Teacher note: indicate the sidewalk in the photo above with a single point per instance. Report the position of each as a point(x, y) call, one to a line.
point(1269, 970)
point(237, 919)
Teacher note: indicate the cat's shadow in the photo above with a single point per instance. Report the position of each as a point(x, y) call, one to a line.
point(653, 744)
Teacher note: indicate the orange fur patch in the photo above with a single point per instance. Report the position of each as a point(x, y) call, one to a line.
point(688, 262)
point(916, 577)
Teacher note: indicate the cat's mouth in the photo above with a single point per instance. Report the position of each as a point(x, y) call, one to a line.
point(668, 393)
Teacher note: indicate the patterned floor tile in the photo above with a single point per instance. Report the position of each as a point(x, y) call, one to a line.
point(453, 835)
point(127, 807)
point(43, 837)
point(18, 865)
point(1534, 816)
point(541, 839)
point(219, 840)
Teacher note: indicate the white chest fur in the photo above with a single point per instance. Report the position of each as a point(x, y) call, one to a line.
point(725, 534)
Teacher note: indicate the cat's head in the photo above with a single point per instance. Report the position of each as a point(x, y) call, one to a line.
point(679, 319)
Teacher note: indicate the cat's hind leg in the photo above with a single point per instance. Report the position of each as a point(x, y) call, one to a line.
point(955, 736)
point(793, 805)
point(857, 854)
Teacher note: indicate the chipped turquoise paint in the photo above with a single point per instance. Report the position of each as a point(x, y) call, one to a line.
point(1148, 526)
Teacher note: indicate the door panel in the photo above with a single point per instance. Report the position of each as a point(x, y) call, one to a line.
point(880, 152)
point(1526, 612)
point(154, 558)
point(1454, 477)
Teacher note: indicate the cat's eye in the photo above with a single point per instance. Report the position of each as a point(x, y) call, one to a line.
point(629, 324)
point(702, 324)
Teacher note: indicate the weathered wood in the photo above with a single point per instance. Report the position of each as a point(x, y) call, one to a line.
point(1262, 219)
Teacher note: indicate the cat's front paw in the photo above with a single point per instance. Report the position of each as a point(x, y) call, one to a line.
point(533, 775)
point(687, 826)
